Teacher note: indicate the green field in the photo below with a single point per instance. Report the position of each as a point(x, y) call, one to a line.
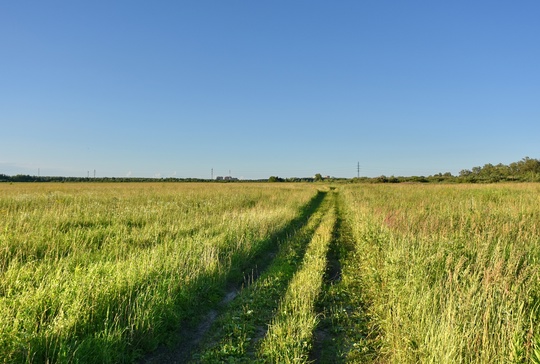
point(270, 272)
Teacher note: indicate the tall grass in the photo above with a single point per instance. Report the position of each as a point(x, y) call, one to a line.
point(103, 272)
point(289, 336)
point(236, 335)
point(451, 273)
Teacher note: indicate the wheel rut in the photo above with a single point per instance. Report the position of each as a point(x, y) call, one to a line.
point(237, 332)
point(245, 304)
point(342, 333)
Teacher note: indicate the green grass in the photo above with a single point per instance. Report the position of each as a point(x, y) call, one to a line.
point(104, 273)
point(107, 273)
point(344, 329)
point(450, 273)
point(290, 334)
point(236, 335)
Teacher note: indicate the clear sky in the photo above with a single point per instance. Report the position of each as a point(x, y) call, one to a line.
point(261, 88)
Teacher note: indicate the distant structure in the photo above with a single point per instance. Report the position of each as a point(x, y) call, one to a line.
point(226, 178)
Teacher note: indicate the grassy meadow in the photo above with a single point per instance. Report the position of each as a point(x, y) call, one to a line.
point(103, 272)
point(356, 273)
point(448, 274)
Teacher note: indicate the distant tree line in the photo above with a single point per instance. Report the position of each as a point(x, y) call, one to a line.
point(28, 178)
point(525, 170)
point(291, 179)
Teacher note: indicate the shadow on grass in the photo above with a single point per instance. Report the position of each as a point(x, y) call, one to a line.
point(172, 329)
point(246, 269)
point(341, 307)
point(250, 266)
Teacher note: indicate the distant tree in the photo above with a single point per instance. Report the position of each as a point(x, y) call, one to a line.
point(530, 165)
point(318, 177)
point(275, 179)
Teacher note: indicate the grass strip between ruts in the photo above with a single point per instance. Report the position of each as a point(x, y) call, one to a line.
point(289, 337)
point(236, 334)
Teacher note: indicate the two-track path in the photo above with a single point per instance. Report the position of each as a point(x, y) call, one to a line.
point(234, 330)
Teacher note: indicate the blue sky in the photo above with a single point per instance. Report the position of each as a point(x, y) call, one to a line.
point(260, 88)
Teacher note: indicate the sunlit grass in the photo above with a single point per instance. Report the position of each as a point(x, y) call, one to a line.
point(290, 334)
point(237, 334)
point(451, 272)
point(103, 272)
point(431, 273)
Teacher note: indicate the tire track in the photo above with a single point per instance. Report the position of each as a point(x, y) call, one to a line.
point(221, 323)
point(343, 333)
point(236, 334)
point(290, 332)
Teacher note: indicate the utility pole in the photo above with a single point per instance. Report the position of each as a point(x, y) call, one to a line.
point(94, 174)
point(358, 170)
point(212, 173)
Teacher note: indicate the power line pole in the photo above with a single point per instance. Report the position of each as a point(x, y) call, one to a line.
point(212, 173)
point(358, 170)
